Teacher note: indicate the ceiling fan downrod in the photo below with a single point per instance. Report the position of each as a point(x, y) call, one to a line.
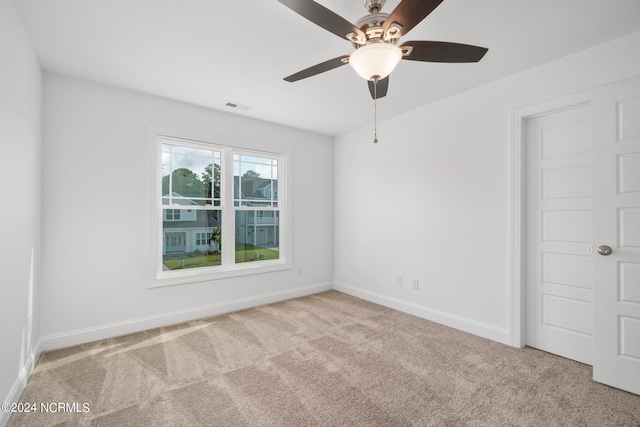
point(374, 6)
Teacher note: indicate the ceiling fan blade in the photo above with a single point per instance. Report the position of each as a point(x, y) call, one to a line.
point(323, 17)
point(409, 13)
point(430, 51)
point(381, 90)
point(318, 68)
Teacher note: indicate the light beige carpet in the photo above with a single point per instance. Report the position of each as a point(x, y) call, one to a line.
point(323, 360)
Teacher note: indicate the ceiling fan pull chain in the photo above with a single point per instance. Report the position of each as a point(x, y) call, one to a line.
point(375, 109)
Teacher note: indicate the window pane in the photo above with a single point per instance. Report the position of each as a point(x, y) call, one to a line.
point(255, 180)
point(166, 163)
point(190, 238)
point(190, 176)
point(257, 235)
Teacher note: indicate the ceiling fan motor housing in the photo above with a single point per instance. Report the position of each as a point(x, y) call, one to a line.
point(371, 26)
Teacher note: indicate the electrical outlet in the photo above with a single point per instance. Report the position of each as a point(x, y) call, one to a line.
point(299, 271)
point(398, 279)
point(415, 284)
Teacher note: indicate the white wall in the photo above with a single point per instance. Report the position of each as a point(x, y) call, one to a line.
point(20, 150)
point(95, 213)
point(431, 200)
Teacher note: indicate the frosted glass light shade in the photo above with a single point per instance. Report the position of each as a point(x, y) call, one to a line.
point(375, 59)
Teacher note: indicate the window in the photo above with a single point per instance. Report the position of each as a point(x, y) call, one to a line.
point(203, 239)
point(221, 210)
point(173, 214)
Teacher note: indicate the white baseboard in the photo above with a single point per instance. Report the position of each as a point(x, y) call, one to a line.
point(463, 324)
point(21, 382)
point(86, 335)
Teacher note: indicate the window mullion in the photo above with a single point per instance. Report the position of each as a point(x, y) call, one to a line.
point(228, 220)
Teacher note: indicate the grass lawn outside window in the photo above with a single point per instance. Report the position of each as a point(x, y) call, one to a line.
point(244, 253)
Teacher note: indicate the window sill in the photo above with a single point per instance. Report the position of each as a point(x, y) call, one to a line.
point(183, 277)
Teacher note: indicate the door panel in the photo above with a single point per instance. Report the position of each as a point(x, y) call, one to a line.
point(567, 183)
point(629, 227)
point(569, 270)
point(567, 226)
point(567, 313)
point(628, 279)
point(565, 140)
point(628, 113)
point(559, 222)
point(628, 181)
point(616, 112)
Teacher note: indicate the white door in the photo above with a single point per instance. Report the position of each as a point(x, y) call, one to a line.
point(261, 238)
point(616, 112)
point(175, 242)
point(559, 223)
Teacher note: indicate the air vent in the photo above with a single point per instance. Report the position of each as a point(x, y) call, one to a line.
point(232, 104)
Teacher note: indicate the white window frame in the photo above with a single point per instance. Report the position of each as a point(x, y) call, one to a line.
point(160, 278)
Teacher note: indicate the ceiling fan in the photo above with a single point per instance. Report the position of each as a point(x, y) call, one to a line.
point(375, 37)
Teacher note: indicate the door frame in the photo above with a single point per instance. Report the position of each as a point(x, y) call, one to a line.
point(518, 181)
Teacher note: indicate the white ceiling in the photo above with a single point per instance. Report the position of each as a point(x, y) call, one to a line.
point(208, 52)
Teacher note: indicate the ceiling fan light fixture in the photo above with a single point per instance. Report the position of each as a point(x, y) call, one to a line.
point(376, 59)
